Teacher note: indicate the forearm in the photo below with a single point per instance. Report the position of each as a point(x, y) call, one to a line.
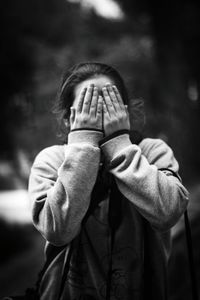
point(159, 198)
point(60, 215)
point(60, 201)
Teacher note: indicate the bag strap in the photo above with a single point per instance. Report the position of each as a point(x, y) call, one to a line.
point(65, 270)
point(191, 257)
point(189, 247)
point(33, 293)
point(114, 220)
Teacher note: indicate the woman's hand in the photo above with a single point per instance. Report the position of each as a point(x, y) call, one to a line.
point(88, 113)
point(115, 113)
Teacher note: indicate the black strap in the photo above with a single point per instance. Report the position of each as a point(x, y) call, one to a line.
point(189, 248)
point(66, 270)
point(191, 257)
point(33, 293)
point(114, 219)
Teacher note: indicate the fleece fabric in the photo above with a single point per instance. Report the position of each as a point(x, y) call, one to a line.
point(62, 187)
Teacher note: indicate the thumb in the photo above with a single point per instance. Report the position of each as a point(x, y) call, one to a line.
point(126, 109)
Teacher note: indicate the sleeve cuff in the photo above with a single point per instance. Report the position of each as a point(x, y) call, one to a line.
point(85, 136)
point(113, 146)
point(113, 135)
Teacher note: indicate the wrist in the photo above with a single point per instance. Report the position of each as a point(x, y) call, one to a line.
point(113, 135)
point(86, 128)
point(112, 129)
point(85, 135)
point(113, 145)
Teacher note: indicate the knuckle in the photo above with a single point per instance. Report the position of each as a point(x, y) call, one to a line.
point(113, 95)
point(92, 121)
point(115, 121)
point(110, 104)
point(104, 110)
point(123, 114)
point(84, 119)
point(121, 118)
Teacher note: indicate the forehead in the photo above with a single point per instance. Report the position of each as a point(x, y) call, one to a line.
point(99, 81)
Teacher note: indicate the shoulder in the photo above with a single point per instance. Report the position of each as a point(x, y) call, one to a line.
point(52, 157)
point(159, 153)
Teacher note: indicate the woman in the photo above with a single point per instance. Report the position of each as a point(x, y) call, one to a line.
point(103, 201)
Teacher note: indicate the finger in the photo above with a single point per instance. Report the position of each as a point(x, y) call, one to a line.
point(72, 115)
point(118, 96)
point(94, 102)
point(127, 112)
point(88, 99)
point(108, 102)
point(99, 107)
point(105, 110)
point(106, 117)
point(81, 99)
point(113, 96)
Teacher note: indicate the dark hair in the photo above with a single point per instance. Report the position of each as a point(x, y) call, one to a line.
point(76, 75)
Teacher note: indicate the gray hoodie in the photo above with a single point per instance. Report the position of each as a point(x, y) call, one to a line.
point(153, 199)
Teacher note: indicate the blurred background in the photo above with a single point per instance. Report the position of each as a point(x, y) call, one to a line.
point(155, 45)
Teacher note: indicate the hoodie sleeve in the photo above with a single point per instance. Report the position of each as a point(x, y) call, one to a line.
point(145, 176)
point(60, 186)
